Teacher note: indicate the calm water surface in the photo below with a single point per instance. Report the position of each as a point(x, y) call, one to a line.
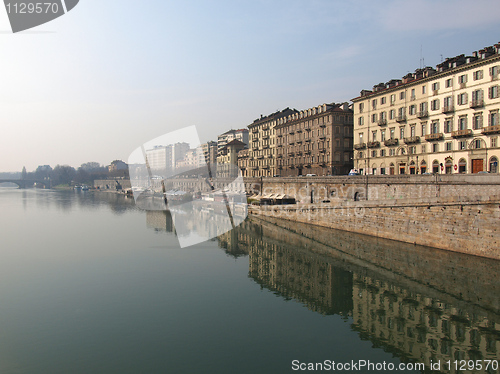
point(90, 284)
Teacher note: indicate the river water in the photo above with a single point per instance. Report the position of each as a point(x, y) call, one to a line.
point(91, 284)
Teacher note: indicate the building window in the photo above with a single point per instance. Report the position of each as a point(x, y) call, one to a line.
point(393, 99)
point(449, 146)
point(448, 125)
point(494, 142)
point(424, 90)
point(462, 144)
point(412, 110)
point(477, 75)
point(413, 96)
point(435, 147)
point(435, 86)
point(494, 165)
point(413, 131)
point(374, 153)
point(413, 150)
point(477, 121)
point(448, 83)
point(493, 118)
point(435, 104)
point(424, 129)
point(383, 116)
point(494, 71)
point(423, 108)
point(382, 135)
point(402, 95)
point(391, 151)
point(477, 144)
point(424, 148)
point(462, 123)
point(435, 127)
point(361, 107)
point(361, 121)
point(392, 114)
point(374, 117)
point(462, 79)
point(382, 153)
point(382, 171)
point(493, 92)
point(462, 166)
point(374, 104)
point(393, 132)
point(401, 133)
point(374, 136)
point(382, 100)
point(462, 99)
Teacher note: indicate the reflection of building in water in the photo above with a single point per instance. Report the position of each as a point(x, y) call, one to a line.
point(159, 220)
point(419, 327)
point(396, 312)
point(232, 243)
point(295, 274)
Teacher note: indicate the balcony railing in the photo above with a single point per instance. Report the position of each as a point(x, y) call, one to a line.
point(433, 137)
point(382, 122)
point(412, 139)
point(374, 144)
point(461, 133)
point(391, 142)
point(423, 114)
point(448, 109)
point(491, 130)
point(360, 146)
point(478, 103)
point(401, 118)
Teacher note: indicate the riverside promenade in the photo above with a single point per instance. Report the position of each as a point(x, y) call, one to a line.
point(459, 213)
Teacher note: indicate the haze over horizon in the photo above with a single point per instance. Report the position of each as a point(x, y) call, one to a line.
point(98, 82)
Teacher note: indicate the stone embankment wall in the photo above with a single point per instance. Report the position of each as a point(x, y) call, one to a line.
point(379, 187)
point(461, 224)
point(110, 184)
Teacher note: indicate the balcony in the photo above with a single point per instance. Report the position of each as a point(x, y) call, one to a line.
point(299, 131)
point(265, 127)
point(322, 150)
point(401, 118)
point(255, 130)
point(269, 156)
point(461, 133)
point(477, 103)
point(434, 137)
point(322, 125)
point(291, 132)
point(255, 139)
point(265, 137)
point(448, 109)
point(491, 130)
point(391, 142)
point(382, 122)
point(322, 137)
point(260, 157)
point(374, 144)
point(360, 146)
point(412, 140)
point(423, 114)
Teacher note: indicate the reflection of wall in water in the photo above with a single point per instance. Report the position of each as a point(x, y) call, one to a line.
point(291, 273)
point(418, 327)
point(233, 242)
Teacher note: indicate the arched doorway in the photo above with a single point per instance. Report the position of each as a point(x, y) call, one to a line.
point(413, 169)
point(423, 167)
point(435, 167)
point(493, 165)
point(392, 169)
point(462, 166)
point(374, 169)
point(448, 166)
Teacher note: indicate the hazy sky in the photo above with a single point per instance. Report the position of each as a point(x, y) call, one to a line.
point(96, 83)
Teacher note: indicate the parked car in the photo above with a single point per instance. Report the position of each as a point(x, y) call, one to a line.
point(311, 175)
point(354, 172)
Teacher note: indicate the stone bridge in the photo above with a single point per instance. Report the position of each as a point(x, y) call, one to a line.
point(27, 183)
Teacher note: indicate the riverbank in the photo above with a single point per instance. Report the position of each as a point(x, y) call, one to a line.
point(459, 224)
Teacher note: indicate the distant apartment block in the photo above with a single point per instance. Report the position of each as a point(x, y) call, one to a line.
point(315, 141)
point(443, 120)
point(227, 160)
point(228, 136)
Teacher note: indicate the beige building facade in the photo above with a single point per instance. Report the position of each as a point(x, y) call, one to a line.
point(262, 147)
point(316, 141)
point(443, 120)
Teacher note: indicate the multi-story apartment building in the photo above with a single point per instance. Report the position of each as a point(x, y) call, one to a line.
point(443, 120)
point(262, 148)
point(315, 141)
point(228, 136)
point(159, 158)
point(210, 152)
